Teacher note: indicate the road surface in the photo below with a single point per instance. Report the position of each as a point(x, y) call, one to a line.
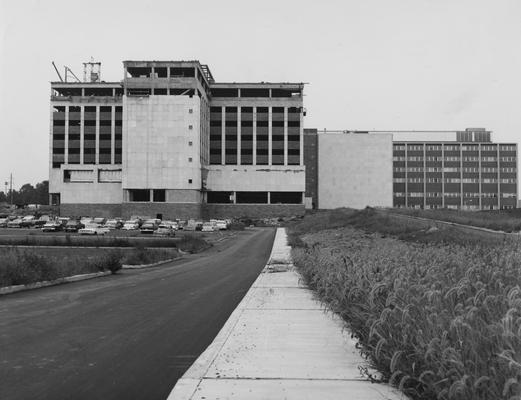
point(128, 336)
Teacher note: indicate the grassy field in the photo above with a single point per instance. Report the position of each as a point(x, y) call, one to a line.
point(439, 320)
point(507, 221)
point(193, 241)
point(23, 265)
point(372, 221)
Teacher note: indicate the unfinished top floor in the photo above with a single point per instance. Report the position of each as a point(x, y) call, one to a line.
point(143, 78)
point(67, 91)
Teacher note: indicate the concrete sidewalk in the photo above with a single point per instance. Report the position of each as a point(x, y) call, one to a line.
point(279, 343)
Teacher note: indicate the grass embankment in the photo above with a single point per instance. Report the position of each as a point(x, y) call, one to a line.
point(438, 320)
point(33, 239)
point(507, 221)
point(24, 266)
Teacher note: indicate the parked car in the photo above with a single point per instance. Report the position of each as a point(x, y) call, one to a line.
point(113, 224)
point(27, 221)
point(41, 221)
point(221, 225)
point(3, 222)
point(15, 223)
point(52, 226)
point(63, 221)
point(149, 226)
point(99, 220)
point(208, 227)
point(164, 230)
point(93, 229)
point(130, 225)
point(73, 226)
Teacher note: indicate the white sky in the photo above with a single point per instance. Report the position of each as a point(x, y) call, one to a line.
point(370, 64)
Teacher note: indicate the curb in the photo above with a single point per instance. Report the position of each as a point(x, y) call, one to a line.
point(59, 281)
point(141, 266)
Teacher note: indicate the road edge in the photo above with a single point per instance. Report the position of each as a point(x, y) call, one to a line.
point(37, 285)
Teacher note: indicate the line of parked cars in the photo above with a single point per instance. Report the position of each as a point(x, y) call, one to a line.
point(19, 221)
point(101, 226)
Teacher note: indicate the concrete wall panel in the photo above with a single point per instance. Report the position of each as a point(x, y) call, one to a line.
point(156, 142)
point(256, 178)
point(355, 170)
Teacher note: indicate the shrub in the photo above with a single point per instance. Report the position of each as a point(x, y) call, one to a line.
point(112, 261)
point(192, 244)
point(141, 255)
point(236, 226)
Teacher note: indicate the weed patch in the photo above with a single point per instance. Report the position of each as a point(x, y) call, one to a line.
point(439, 320)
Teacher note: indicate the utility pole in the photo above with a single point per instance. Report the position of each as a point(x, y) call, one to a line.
point(11, 187)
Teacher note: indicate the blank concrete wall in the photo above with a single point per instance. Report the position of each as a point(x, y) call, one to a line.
point(354, 170)
point(263, 178)
point(161, 142)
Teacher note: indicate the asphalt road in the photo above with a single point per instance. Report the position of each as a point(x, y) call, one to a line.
point(128, 336)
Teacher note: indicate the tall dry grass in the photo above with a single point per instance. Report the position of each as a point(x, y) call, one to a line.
point(438, 321)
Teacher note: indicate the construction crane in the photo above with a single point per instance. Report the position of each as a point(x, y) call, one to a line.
point(68, 72)
point(56, 69)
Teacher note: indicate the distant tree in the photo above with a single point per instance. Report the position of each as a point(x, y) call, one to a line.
point(28, 194)
point(42, 193)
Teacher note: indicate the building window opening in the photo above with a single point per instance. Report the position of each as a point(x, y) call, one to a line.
point(55, 199)
point(160, 92)
point(138, 72)
point(139, 195)
point(176, 72)
point(159, 195)
point(137, 92)
point(225, 93)
point(182, 92)
point(255, 93)
point(161, 72)
point(252, 197)
point(107, 92)
point(286, 197)
point(219, 197)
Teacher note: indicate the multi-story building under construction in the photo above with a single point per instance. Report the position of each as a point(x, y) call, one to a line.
point(170, 141)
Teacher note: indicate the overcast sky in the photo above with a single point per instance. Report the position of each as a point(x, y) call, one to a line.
point(369, 64)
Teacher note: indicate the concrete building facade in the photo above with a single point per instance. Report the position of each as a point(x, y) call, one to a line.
point(469, 172)
point(168, 140)
point(354, 170)
point(461, 170)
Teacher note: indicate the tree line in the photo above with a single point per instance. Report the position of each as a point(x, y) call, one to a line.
point(28, 194)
